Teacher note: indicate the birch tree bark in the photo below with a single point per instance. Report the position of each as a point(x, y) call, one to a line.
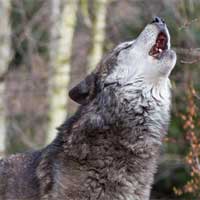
point(5, 55)
point(61, 47)
point(98, 32)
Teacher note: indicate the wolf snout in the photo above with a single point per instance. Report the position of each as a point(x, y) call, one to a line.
point(160, 23)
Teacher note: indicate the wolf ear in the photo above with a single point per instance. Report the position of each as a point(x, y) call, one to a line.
point(85, 90)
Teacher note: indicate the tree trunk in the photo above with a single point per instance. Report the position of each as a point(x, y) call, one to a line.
point(98, 32)
point(60, 60)
point(5, 55)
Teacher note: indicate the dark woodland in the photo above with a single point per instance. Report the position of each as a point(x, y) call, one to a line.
point(49, 52)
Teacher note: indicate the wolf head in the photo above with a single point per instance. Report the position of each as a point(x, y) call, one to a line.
point(148, 59)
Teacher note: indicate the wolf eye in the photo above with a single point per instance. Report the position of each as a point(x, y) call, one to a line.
point(123, 48)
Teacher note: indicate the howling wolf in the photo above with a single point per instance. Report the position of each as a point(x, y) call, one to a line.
point(108, 150)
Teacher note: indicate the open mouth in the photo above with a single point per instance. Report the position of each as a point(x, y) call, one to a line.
point(160, 45)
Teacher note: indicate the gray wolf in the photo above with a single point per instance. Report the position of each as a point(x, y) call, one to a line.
point(108, 149)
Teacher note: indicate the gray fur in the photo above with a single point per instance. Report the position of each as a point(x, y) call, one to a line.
point(109, 149)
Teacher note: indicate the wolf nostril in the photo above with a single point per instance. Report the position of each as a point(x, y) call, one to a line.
point(158, 20)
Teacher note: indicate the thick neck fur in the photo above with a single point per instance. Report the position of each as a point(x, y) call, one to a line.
point(115, 142)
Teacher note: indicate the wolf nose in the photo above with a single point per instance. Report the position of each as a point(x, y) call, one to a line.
point(158, 20)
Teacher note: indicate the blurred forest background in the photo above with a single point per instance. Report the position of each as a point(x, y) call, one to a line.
point(47, 46)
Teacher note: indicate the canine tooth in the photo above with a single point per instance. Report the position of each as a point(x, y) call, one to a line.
point(160, 50)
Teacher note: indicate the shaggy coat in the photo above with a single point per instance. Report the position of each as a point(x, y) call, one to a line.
point(109, 148)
